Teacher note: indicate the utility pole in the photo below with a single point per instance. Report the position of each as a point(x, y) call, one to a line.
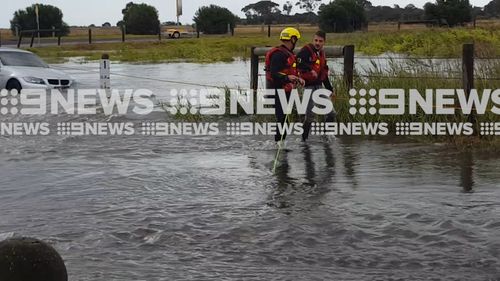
point(179, 10)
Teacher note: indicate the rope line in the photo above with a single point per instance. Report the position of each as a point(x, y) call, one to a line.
point(153, 79)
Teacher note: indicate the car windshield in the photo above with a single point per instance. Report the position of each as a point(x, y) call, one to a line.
point(21, 59)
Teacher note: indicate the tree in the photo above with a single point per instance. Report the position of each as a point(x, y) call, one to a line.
point(106, 24)
point(140, 19)
point(50, 16)
point(308, 5)
point(454, 12)
point(342, 16)
point(169, 23)
point(364, 3)
point(287, 7)
point(262, 11)
point(214, 19)
point(492, 9)
point(395, 13)
point(478, 12)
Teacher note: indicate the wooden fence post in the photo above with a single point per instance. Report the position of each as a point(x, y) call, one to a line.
point(254, 75)
point(90, 35)
point(349, 66)
point(254, 71)
point(20, 39)
point(32, 39)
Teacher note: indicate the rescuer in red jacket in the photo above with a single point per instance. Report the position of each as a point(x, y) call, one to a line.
point(281, 72)
point(312, 67)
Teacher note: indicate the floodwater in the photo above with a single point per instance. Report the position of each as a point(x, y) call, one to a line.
point(210, 208)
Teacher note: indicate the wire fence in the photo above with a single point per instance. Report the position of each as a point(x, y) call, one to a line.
point(170, 81)
point(388, 76)
point(416, 58)
point(336, 97)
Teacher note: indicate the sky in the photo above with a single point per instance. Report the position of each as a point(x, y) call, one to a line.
point(84, 13)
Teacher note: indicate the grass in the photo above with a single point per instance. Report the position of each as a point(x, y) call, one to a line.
point(203, 50)
point(437, 42)
point(432, 42)
point(410, 74)
point(422, 75)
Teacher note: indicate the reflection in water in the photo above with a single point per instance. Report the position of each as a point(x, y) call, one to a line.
point(350, 162)
point(309, 165)
point(306, 186)
point(278, 197)
point(329, 159)
point(467, 172)
point(283, 171)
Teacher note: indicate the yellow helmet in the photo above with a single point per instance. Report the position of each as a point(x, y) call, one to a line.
point(288, 33)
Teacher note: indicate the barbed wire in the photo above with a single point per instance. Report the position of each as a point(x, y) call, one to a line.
point(407, 77)
point(337, 97)
point(262, 75)
point(402, 58)
point(413, 58)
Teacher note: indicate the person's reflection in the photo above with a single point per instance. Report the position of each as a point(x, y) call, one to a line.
point(316, 179)
point(329, 158)
point(310, 173)
point(278, 197)
point(467, 171)
point(350, 162)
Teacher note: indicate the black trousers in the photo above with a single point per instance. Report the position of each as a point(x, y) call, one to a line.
point(280, 116)
point(309, 116)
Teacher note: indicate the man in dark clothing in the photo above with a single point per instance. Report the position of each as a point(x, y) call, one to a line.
point(313, 68)
point(281, 73)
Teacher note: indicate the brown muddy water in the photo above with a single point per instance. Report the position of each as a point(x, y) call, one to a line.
point(210, 208)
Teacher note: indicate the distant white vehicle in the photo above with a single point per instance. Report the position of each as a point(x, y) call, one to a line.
point(176, 33)
point(21, 69)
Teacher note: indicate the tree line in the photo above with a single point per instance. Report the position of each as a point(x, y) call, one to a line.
point(337, 16)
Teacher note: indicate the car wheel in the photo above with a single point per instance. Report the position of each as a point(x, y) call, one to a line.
point(14, 84)
point(176, 35)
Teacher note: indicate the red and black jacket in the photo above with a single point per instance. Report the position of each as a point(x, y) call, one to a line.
point(280, 62)
point(310, 59)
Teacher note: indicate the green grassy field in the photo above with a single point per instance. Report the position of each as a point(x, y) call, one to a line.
point(439, 42)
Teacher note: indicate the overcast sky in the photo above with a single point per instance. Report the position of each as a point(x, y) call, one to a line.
point(78, 12)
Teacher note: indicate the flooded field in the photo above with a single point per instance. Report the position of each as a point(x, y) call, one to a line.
point(210, 208)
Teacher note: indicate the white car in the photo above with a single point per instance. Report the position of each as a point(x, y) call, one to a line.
point(178, 33)
point(21, 69)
